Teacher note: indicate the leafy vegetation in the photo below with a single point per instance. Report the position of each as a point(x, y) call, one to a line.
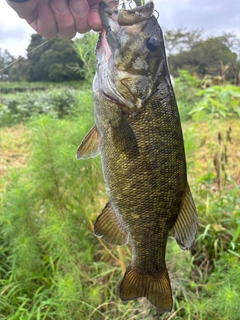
point(219, 101)
point(52, 266)
point(20, 107)
point(197, 102)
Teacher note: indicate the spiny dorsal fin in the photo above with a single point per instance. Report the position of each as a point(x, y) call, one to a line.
point(185, 228)
point(156, 288)
point(109, 228)
point(90, 146)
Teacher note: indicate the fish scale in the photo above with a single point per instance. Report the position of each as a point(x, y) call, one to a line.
point(138, 133)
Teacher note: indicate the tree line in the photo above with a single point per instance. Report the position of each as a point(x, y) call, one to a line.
point(59, 60)
point(202, 56)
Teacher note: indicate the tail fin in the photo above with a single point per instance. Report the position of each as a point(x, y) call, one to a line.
point(156, 288)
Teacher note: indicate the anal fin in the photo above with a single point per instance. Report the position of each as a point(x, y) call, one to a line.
point(185, 228)
point(156, 288)
point(109, 228)
point(90, 146)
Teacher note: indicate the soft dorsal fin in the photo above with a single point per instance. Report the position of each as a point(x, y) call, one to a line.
point(109, 228)
point(185, 228)
point(90, 146)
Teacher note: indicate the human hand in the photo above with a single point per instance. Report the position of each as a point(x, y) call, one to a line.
point(59, 17)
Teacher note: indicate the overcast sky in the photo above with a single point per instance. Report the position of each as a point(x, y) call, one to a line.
point(213, 16)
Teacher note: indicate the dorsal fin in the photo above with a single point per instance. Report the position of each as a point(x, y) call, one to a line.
point(185, 228)
point(90, 146)
point(109, 228)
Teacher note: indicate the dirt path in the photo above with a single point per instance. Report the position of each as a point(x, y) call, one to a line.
point(13, 148)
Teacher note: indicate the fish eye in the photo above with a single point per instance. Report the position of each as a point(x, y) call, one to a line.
point(152, 44)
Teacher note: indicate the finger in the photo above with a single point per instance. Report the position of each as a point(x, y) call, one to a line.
point(93, 2)
point(24, 10)
point(80, 11)
point(44, 22)
point(94, 19)
point(64, 18)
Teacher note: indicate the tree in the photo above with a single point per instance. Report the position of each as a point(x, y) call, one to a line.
point(180, 40)
point(5, 60)
point(203, 58)
point(231, 41)
point(19, 71)
point(52, 60)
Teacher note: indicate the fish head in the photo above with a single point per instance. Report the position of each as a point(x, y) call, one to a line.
point(129, 55)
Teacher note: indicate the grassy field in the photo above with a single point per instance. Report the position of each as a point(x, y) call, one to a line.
point(52, 266)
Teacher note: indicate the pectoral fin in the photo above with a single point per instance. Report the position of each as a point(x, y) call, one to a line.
point(185, 228)
point(90, 146)
point(123, 136)
point(109, 228)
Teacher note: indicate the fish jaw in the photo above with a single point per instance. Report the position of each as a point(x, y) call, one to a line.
point(126, 68)
point(113, 19)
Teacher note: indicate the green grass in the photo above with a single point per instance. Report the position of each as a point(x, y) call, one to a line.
point(52, 266)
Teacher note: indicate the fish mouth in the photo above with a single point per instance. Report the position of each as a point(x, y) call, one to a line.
point(125, 17)
point(114, 19)
point(115, 80)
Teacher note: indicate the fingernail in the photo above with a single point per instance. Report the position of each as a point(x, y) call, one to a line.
point(80, 7)
point(61, 6)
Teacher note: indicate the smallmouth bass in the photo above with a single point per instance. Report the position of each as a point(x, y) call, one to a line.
point(138, 133)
